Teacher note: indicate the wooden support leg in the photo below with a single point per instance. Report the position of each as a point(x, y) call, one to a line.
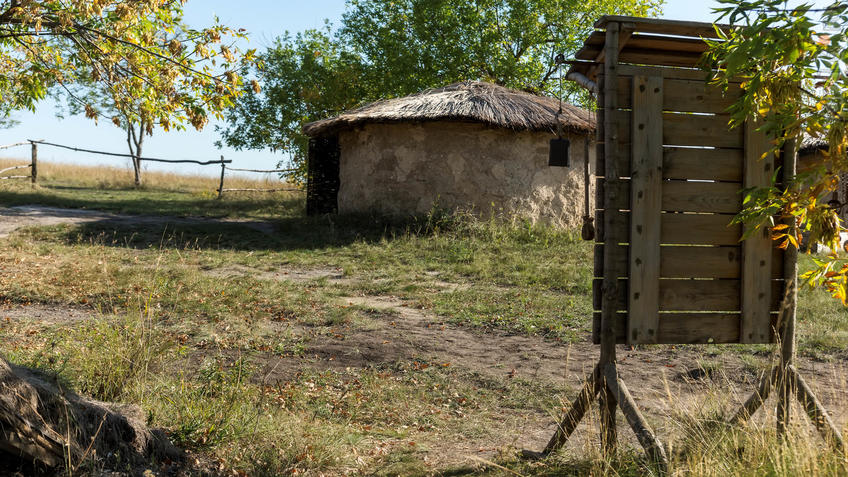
point(609, 434)
point(758, 398)
point(576, 413)
point(653, 447)
point(821, 419)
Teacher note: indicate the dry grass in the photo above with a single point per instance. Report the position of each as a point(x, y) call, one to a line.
point(122, 177)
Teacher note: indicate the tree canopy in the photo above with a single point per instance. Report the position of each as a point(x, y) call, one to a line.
point(390, 48)
point(152, 68)
point(794, 65)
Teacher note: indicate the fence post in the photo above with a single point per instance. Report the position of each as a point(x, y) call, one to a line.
point(221, 186)
point(34, 165)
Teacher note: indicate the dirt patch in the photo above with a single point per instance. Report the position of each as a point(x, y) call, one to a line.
point(45, 312)
point(298, 275)
point(14, 218)
point(662, 378)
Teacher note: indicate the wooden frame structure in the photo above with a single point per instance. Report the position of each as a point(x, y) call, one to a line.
point(669, 267)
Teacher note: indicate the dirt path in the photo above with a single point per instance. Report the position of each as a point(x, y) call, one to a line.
point(14, 218)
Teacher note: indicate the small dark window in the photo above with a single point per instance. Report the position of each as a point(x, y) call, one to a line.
point(559, 153)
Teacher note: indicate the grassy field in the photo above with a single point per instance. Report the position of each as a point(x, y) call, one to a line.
point(284, 347)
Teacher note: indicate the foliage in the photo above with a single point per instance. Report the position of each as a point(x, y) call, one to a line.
point(152, 68)
point(390, 48)
point(793, 62)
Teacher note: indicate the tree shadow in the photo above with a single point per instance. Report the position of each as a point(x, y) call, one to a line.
point(286, 234)
point(157, 202)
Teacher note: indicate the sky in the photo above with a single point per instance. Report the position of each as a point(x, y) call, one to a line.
point(264, 20)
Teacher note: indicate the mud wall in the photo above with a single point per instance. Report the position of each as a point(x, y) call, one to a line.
point(404, 169)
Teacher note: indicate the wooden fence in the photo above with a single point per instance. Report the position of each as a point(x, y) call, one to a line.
point(32, 166)
point(224, 163)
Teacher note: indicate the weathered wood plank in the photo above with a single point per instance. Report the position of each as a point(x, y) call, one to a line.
point(682, 196)
point(714, 197)
point(686, 163)
point(685, 229)
point(681, 295)
point(686, 328)
point(663, 26)
point(699, 229)
point(696, 96)
point(645, 200)
point(756, 250)
point(694, 262)
point(688, 130)
point(667, 72)
point(702, 164)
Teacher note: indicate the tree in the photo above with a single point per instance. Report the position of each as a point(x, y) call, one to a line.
point(389, 48)
point(154, 72)
point(794, 65)
point(135, 60)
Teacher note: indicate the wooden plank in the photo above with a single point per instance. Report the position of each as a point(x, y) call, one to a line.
point(685, 229)
point(678, 295)
point(665, 27)
point(660, 58)
point(698, 229)
point(686, 328)
point(683, 196)
point(689, 130)
point(695, 96)
point(646, 200)
point(685, 162)
point(714, 197)
point(668, 72)
point(702, 164)
point(694, 262)
point(756, 250)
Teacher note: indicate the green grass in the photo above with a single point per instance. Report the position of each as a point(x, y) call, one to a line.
point(191, 345)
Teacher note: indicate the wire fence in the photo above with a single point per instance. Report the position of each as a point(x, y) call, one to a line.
point(224, 163)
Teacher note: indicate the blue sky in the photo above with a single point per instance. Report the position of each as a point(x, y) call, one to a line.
point(265, 20)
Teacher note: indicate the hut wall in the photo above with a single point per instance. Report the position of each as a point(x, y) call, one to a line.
point(404, 169)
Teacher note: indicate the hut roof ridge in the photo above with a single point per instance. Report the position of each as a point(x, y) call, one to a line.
point(471, 101)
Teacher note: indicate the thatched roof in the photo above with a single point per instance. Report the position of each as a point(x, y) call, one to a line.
point(468, 102)
point(811, 145)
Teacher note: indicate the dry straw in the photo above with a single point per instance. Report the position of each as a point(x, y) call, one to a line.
point(468, 101)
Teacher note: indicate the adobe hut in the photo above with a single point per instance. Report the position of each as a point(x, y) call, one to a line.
point(812, 153)
point(472, 146)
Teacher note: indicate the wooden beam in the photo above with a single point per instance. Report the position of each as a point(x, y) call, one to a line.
point(817, 413)
point(575, 413)
point(666, 27)
point(756, 250)
point(756, 400)
point(612, 131)
point(645, 203)
point(646, 437)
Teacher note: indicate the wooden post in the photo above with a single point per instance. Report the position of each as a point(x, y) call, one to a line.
point(221, 185)
point(644, 434)
point(575, 414)
point(758, 398)
point(34, 164)
point(610, 289)
point(787, 324)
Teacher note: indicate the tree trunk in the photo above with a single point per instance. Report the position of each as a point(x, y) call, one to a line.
point(135, 141)
point(44, 426)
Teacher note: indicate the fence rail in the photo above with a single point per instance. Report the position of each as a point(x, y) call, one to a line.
point(33, 165)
